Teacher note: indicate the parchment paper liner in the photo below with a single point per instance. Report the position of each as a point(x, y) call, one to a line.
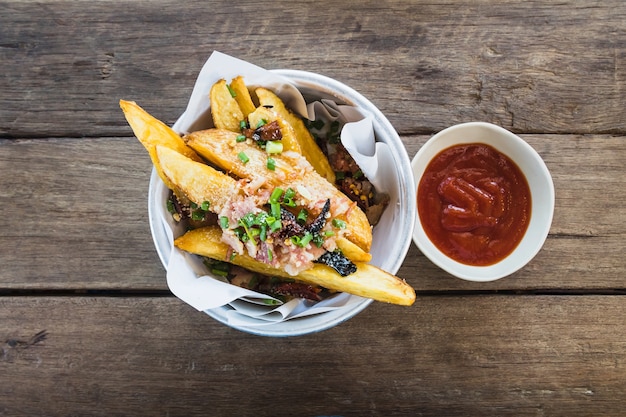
point(189, 280)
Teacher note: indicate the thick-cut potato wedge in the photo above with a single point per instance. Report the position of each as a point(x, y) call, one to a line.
point(308, 147)
point(225, 110)
point(368, 281)
point(199, 182)
point(291, 170)
point(242, 95)
point(152, 132)
point(264, 115)
point(353, 251)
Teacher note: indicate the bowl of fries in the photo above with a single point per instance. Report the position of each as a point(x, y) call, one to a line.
point(323, 243)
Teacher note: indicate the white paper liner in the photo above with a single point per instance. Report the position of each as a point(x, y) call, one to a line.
point(187, 277)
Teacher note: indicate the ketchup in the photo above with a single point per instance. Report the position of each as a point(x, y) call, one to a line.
point(474, 204)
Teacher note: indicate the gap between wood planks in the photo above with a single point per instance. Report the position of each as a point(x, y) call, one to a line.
point(6, 292)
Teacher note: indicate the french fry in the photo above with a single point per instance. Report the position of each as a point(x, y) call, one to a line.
point(225, 110)
point(353, 251)
point(182, 163)
point(368, 281)
point(308, 147)
point(151, 132)
point(221, 147)
point(198, 181)
point(242, 95)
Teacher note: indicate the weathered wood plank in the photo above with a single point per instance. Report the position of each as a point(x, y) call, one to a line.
point(75, 217)
point(546, 355)
point(530, 66)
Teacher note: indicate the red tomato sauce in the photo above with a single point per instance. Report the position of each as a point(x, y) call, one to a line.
point(474, 204)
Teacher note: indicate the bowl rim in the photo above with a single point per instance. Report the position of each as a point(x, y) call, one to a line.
point(540, 222)
point(382, 128)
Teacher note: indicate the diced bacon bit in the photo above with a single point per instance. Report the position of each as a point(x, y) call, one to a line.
point(267, 132)
point(298, 290)
point(278, 249)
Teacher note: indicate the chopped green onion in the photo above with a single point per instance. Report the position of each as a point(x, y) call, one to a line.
point(276, 225)
point(302, 216)
point(224, 222)
point(243, 157)
point(275, 208)
point(340, 175)
point(218, 267)
point(197, 215)
point(263, 233)
point(318, 240)
point(338, 223)
point(250, 233)
point(219, 272)
point(170, 206)
point(270, 255)
point(329, 233)
point(243, 125)
point(254, 281)
point(358, 174)
point(231, 91)
point(275, 196)
point(288, 198)
point(193, 205)
point(261, 122)
point(290, 193)
point(302, 241)
point(247, 220)
point(205, 205)
point(241, 234)
point(241, 138)
point(271, 164)
point(274, 146)
point(308, 236)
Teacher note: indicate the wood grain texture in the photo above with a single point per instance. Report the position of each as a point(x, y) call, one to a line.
point(75, 215)
point(156, 356)
point(76, 218)
point(529, 66)
point(87, 325)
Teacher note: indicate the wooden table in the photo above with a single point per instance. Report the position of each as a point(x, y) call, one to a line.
point(87, 323)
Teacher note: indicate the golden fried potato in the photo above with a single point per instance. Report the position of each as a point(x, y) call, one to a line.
point(353, 251)
point(225, 110)
point(242, 95)
point(307, 143)
point(291, 170)
point(151, 132)
point(198, 181)
point(368, 281)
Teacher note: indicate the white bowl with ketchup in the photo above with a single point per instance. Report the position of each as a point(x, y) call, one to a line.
point(485, 201)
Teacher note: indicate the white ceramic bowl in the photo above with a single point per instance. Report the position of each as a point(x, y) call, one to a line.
point(541, 190)
point(387, 257)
